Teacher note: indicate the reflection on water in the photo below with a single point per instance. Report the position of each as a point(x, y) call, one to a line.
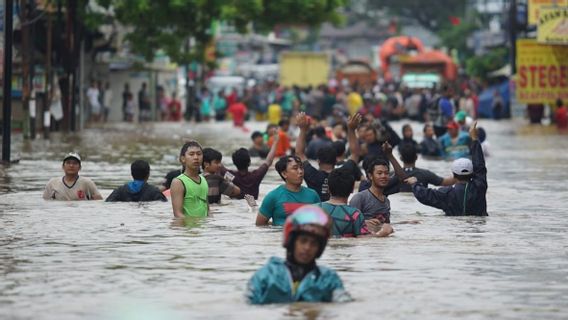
point(98, 260)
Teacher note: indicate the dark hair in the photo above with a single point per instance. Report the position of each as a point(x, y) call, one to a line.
point(339, 147)
point(341, 183)
point(404, 127)
point(255, 135)
point(282, 163)
point(426, 126)
point(283, 122)
point(466, 177)
point(140, 170)
point(241, 159)
point(319, 131)
point(559, 102)
point(408, 153)
point(376, 162)
point(327, 155)
point(189, 144)
point(210, 154)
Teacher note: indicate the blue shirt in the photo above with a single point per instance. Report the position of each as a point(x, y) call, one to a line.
point(459, 149)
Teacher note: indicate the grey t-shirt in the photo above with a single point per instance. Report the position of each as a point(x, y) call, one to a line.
point(371, 206)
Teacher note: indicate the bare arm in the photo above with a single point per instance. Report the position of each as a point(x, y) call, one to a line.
point(270, 156)
point(261, 220)
point(448, 181)
point(303, 124)
point(236, 191)
point(354, 147)
point(176, 192)
point(387, 148)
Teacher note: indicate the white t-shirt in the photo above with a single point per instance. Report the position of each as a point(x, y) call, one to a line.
point(93, 96)
point(82, 189)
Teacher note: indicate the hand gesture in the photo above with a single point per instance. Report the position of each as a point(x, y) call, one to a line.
point(473, 131)
point(250, 200)
point(385, 231)
point(411, 180)
point(387, 148)
point(354, 121)
point(302, 121)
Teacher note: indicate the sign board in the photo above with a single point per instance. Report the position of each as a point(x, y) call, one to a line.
point(542, 72)
point(553, 25)
point(535, 7)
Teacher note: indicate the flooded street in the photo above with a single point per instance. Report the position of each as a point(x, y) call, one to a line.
point(97, 260)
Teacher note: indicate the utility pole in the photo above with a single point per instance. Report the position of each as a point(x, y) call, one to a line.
point(26, 65)
point(513, 34)
point(48, 82)
point(7, 90)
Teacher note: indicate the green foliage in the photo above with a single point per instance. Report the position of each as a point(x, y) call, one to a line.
point(480, 66)
point(169, 24)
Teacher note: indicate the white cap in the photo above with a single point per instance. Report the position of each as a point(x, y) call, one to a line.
point(462, 167)
point(72, 155)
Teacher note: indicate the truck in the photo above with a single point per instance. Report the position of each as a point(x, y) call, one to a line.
point(304, 68)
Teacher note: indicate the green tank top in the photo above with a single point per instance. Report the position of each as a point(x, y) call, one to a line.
point(195, 198)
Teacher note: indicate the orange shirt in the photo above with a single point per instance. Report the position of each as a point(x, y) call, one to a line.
point(283, 143)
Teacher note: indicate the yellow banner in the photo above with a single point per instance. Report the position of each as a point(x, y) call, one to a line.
point(536, 5)
point(553, 25)
point(542, 72)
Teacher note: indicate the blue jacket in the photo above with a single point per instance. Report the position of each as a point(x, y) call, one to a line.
point(462, 199)
point(273, 284)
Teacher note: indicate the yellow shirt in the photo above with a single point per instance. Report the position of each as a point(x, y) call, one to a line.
point(274, 113)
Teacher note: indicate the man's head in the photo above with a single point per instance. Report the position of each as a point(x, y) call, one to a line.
point(71, 164)
point(284, 125)
point(461, 117)
point(241, 159)
point(211, 160)
point(140, 170)
point(339, 147)
point(341, 183)
point(428, 131)
point(257, 138)
point(305, 234)
point(319, 131)
point(407, 131)
point(326, 155)
point(290, 169)
point(370, 134)
point(408, 153)
point(191, 155)
point(559, 103)
point(462, 169)
point(378, 172)
point(453, 128)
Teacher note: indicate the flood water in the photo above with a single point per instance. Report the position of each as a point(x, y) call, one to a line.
point(97, 260)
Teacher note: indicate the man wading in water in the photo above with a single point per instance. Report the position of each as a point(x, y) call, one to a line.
point(189, 190)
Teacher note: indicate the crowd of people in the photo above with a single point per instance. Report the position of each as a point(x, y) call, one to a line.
point(336, 181)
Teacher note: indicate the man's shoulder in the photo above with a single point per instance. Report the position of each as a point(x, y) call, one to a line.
point(84, 180)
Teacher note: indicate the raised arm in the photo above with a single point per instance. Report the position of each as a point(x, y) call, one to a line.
point(387, 149)
point(354, 147)
point(303, 123)
point(430, 197)
point(272, 152)
point(477, 158)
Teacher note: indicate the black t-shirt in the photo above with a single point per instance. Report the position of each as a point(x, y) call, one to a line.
point(317, 180)
point(351, 167)
point(423, 176)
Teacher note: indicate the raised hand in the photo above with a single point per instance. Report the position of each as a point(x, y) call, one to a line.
point(354, 121)
point(473, 131)
point(302, 121)
point(387, 148)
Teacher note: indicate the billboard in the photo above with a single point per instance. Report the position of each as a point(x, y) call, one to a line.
point(553, 25)
point(535, 6)
point(542, 72)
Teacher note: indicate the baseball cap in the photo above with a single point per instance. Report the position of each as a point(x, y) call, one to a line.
point(72, 155)
point(462, 167)
point(452, 125)
point(460, 116)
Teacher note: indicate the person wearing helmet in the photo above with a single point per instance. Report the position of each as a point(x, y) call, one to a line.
point(467, 196)
point(298, 278)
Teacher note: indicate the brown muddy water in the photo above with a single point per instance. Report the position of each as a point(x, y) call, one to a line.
point(97, 260)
